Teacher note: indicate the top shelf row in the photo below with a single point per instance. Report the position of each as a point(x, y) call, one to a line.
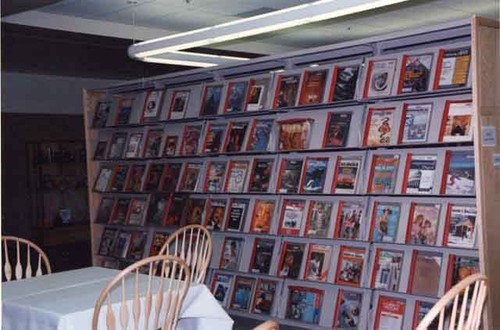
point(409, 74)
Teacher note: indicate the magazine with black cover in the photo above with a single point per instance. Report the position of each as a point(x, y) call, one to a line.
point(289, 176)
point(175, 211)
point(238, 208)
point(214, 138)
point(178, 104)
point(344, 83)
point(261, 175)
point(211, 100)
point(337, 129)
point(235, 136)
point(153, 177)
point(291, 259)
point(100, 150)
point(122, 244)
point(170, 177)
point(262, 255)
point(101, 114)
point(157, 209)
point(286, 91)
point(105, 209)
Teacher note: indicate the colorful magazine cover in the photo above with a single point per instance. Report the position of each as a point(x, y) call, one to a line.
point(257, 91)
point(134, 177)
point(235, 136)
point(124, 111)
point(117, 145)
point(262, 255)
point(133, 149)
point(152, 148)
point(179, 104)
point(390, 313)
point(170, 148)
point(292, 215)
point(260, 135)
point(152, 106)
point(318, 262)
point(216, 214)
point(101, 114)
point(387, 270)
point(458, 174)
point(158, 207)
point(425, 269)
point(313, 87)
point(120, 211)
point(460, 226)
point(237, 214)
point(423, 224)
point(457, 121)
point(191, 139)
point(350, 266)
point(385, 222)
point(175, 211)
point(313, 178)
point(190, 176)
point(349, 220)
point(379, 127)
point(286, 91)
point(460, 267)
point(337, 129)
point(346, 175)
point(453, 68)
point(242, 293)
point(214, 138)
point(289, 177)
point(264, 296)
point(383, 174)
point(348, 310)
point(231, 253)
point(221, 287)
point(118, 178)
point(291, 259)
point(137, 245)
point(422, 308)
point(236, 176)
point(108, 238)
point(195, 211)
point(263, 212)
point(137, 211)
point(153, 177)
point(318, 220)
point(294, 134)
point(380, 78)
point(211, 100)
point(261, 175)
point(304, 304)
point(420, 173)
point(215, 176)
point(416, 73)
point(170, 177)
point(415, 123)
point(236, 96)
point(104, 210)
point(344, 83)
point(157, 243)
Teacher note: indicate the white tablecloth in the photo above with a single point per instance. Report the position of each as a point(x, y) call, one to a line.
point(65, 301)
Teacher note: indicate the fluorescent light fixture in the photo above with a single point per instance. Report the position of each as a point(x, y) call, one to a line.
point(193, 59)
point(277, 20)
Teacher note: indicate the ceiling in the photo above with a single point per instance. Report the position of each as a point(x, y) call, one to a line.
point(136, 20)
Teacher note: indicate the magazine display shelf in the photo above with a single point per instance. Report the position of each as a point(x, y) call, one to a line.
point(124, 243)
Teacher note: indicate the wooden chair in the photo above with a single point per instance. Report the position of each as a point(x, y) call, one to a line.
point(268, 325)
point(193, 244)
point(23, 264)
point(468, 297)
point(172, 286)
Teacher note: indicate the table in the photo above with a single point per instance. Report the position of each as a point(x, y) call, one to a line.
point(65, 301)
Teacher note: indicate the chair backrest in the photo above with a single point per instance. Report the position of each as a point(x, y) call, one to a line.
point(268, 325)
point(193, 244)
point(466, 300)
point(23, 250)
point(166, 287)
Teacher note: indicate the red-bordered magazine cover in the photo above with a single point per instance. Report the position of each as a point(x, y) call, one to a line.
point(202, 105)
point(183, 141)
point(446, 111)
point(269, 218)
point(336, 175)
point(402, 123)
point(446, 168)
point(120, 109)
point(327, 252)
point(280, 174)
point(277, 91)
point(160, 102)
point(335, 75)
point(376, 267)
point(369, 122)
point(447, 224)
point(228, 95)
point(114, 174)
point(130, 210)
point(230, 166)
point(165, 219)
point(320, 90)
point(439, 64)
point(354, 279)
point(368, 75)
point(449, 271)
point(373, 220)
point(402, 73)
point(406, 172)
point(304, 171)
point(294, 203)
point(372, 173)
point(146, 142)
point(412, 271)
point(237, 280)
point(396, 308)
point(205, 138)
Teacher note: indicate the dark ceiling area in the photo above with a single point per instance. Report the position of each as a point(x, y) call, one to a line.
point(10, 7)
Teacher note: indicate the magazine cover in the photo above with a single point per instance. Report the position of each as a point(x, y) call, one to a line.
point(289, 176)
point(120, 248)
point(120, 211)
point(257, 94)
point(190, 176)
point(137, 211)
point(124, 111)
point(214, 138)
point(190, 140)
point(242, 293)
point(215, 176)
point(346, 175)
point(347, 310)
point(178, 104)
point(415, 73)
point(460, 267)
point(379, 78)
point(101, 114)
point(422, 308)
point(423, 224)
point(264, 296)
point(344, 83)
point(100, 150)
point(425, 269)
point(118, 177)
point(458, 173)
point(260, 135)
point(457, 122)
point(419, 174)
point(170, 148)
point(235, 136)
point(195, 211)
point(152, 148)
point(313, 178)
point(292, 213)
point(294, 134)
point(231, 253)
point(152, 181)
point(157, 210)
point(318, 220)
point(453, 68)
point(137, 245)
point(291, 259)
point(211, 100)
point(390, 313)
point(385, 222)
point(152, 106)
point(304, 304)
point(337, 129)
point(117, 145)
point(313, 87)
point(349, 220)
point(175, 211)
point(415, 122)
point(318, 262)
point(237, 214)
point(102, 181)
point(221, 287)
point(216, 214)
point(387, 270)
point(460, 230)
point(261, 175)
point(379, 127)
point(262, 255)
point(236, 96)
point(262, 217)
point(157, 243)
point(133, 149)
point(350, 266)
point(107, 239)
point(104, 210)
point(286, 91)
point(170, 177)
point(236, 176)
point(383, 174)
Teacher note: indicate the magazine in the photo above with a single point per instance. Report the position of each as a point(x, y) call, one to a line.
point(457, 122)
point(153, 177)
point(117, 145)
point(313, 87)
point(346, 175)
point(170, 177)
point(458, 173)
point(157, 210)
point(289, 177)
point(313, 178)
point(422, 308)
point(235, 136)
point(286, 91)
point(231, 253)
point(453, 68)
point(134, 177)
point(318, 220)
point(137, 211)
point(262, 255)
point(291, 259)
point(104, 210)
point(294, 134)
point(349, 220)
point(292, 214)
point(257, 94)
point(379, 127)
point(100, 150)
point(383, 174)
point(211, 100)
point(157, 243)
point(262, 217)
point(385, 222)
point(344, 83)
point(120, 211)
point(236, 96)
point(425, 269)
point(191, 139)
point(415, 122)
point(178, 104)
point(190, 176)
point(195, 211)
point(261, 175)
point(103, 179)
point(236, 176)
point(242, 293)
point(304, 304)
point(122, 244)
point(124, 111)
point(214, 138)
point(260, 135)
point(152, 149)
point(348, 310)
point(264, 296)
point(460, 267)
point(237, 214)
point(387, 270)
point(175, 211)
point(133, 149)
point(420, 173)
point(221, 287)
point(101, 114)
point(350, 266)
point(118, 178)
point(152, 106)
point(415, 73)
point(380, 78)
point(170, 148)
point(108, 238)
point(337, 129)
point(216, 214)
point(423, 224)
point(390, 313)
point(318, 262)
point(460, 228)
point(215, 176)
point(137, 245)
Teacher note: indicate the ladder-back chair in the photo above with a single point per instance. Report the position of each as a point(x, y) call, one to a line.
point(22, 250)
